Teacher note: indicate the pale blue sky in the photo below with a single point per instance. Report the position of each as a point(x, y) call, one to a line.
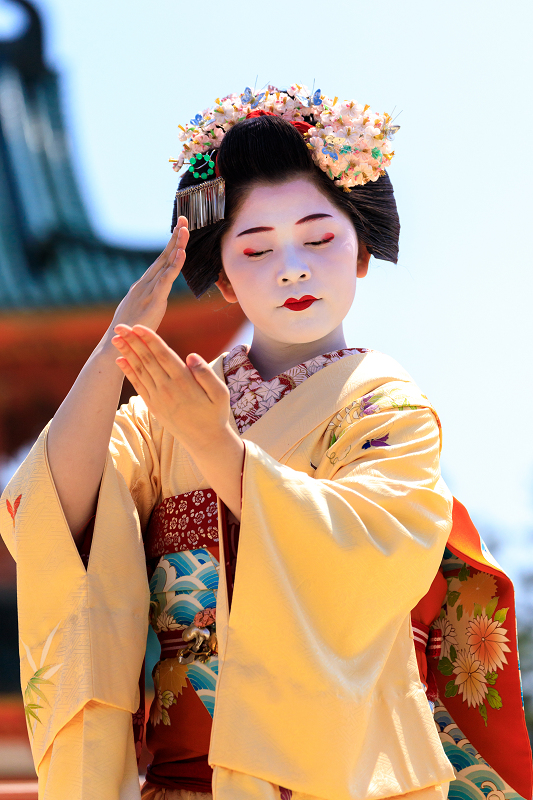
point(456, 309)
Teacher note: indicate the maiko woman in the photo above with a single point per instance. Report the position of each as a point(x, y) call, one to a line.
point(331, 625)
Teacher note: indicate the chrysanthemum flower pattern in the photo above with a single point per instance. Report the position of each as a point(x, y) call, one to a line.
point(470, 678)
point(487, 638)
point(475, 643)
point(449, 637)
point(477, 590)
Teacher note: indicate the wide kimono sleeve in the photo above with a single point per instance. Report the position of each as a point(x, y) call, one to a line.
point(83, 632)
point(319, 663)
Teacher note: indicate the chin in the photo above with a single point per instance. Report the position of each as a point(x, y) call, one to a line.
point(305, 335)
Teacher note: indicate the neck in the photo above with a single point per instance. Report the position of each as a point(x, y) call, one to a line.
point(271, 358)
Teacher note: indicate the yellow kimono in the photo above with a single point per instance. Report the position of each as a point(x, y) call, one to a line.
point(338, 507)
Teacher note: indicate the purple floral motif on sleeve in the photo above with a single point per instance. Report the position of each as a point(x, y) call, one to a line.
point(367, 406)
point(381, 442)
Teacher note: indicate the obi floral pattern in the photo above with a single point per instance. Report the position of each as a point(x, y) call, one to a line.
point(251, 396)
point(182, 522)
point(475, 640)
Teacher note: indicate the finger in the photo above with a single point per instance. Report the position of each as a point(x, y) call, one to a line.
point(177, 241)
point(179, 238)
point(141, 357)
point(144, 375)
point(181, 225)
point(215, 389)
point(133, 378)
point(168, 360)
point(165, 254)
point(178, 251)
point(168, 275)
point(169, 265)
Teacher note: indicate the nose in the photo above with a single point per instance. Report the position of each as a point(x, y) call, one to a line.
point(293, 270)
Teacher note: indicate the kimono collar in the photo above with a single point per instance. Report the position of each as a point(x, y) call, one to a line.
point(317, 399)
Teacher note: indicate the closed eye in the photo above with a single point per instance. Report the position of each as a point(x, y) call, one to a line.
point(256, 253)
point(326, 240)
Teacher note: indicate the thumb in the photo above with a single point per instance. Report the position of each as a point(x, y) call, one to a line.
point(214, 388)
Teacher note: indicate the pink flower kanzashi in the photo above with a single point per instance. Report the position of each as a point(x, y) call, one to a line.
point(470, 678)
point(486, 639)
point(348, 121)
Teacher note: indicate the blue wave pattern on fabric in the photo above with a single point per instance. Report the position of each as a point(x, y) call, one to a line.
point(474, 778)
point(182, 585)
point(204, 680)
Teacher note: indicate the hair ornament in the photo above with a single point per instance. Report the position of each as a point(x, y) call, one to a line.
point(348, 141)
point(202, 204)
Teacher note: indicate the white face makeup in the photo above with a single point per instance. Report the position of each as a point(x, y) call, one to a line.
point(290, 242)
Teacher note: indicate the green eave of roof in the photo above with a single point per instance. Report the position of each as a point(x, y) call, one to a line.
point(75, 273)
point(50, 255)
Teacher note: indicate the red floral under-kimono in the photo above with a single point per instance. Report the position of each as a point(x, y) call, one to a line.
point(459, 631)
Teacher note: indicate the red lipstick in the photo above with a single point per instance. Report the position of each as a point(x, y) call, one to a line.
point(301, 304)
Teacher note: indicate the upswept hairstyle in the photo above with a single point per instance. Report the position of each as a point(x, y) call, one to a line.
point(269, 150)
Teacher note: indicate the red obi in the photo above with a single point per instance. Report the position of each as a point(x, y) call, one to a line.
point(182, 553)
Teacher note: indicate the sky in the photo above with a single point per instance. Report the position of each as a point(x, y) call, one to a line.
point(455, 311)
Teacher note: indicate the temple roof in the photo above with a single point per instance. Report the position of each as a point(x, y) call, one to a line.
point(50, 255)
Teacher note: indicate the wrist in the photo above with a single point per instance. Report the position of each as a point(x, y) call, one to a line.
point(225, 440)
point(106, 352)
point(221, 464)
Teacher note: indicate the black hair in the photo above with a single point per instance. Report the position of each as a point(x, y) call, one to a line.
point(269, 150)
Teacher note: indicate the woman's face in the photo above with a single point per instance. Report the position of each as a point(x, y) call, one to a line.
point(289, 242)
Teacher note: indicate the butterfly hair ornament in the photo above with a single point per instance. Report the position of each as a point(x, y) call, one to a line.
point(348, 141)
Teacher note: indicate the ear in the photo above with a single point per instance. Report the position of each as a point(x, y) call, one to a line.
point(225, 288)
point(363, 257)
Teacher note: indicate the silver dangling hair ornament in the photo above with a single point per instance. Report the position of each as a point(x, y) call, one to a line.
point(202, 204)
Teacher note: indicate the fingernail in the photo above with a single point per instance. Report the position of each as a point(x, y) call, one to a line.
point(194, 360)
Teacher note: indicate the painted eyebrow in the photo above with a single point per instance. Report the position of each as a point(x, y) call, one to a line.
point(262, 228)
